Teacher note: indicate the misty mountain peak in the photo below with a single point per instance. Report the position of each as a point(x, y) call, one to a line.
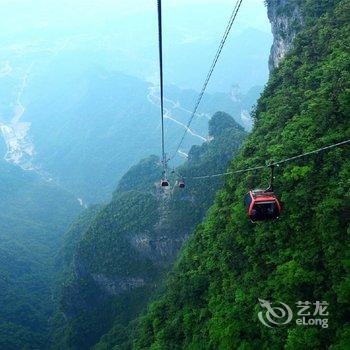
point(220, 122)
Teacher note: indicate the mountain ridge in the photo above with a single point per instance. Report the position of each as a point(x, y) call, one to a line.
point(123, 256)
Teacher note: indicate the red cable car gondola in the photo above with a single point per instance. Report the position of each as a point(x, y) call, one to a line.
point(263, 205)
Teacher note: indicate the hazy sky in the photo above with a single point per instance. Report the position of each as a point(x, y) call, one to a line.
point(122, 34)
point(17, 15)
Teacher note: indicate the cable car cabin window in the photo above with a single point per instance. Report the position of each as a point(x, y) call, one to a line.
point(247, 200)
point(264, 211)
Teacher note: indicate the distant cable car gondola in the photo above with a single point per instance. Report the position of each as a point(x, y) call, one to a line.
point(164, 183)
point(263, 205)
point(182, 184)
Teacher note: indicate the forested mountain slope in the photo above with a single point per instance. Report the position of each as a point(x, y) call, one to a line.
point(211, 298)
point(33, 216)
point(123, 255)
point(89, 127)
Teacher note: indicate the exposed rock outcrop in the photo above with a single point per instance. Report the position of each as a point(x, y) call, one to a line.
point(117, 285)
point(286, 21)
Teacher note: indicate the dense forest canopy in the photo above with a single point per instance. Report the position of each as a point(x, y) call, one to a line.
point(121, 256)
point(211, 298)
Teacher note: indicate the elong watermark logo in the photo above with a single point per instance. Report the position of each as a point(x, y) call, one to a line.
point(308, 313)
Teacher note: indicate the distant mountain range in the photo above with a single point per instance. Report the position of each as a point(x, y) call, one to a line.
point(122, 36)
point(83, 126)
point(79, 103)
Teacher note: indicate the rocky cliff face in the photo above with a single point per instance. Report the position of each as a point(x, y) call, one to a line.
point(286, 21)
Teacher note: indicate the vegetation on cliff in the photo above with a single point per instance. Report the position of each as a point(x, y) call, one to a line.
point(33, 215)
point(211, 298)
point(121, 258)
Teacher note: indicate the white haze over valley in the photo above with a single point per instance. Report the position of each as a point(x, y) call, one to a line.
point(55, 55)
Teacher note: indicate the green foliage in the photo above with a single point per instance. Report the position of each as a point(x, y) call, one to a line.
point(73, 235)
point(222, 121)
point(33, 216)
point(211, 297)
point(63, 265)
point(121, 258)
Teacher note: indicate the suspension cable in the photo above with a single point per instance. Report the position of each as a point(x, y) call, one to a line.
point(271, 164)
point(211, 70)
point(160, 40)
